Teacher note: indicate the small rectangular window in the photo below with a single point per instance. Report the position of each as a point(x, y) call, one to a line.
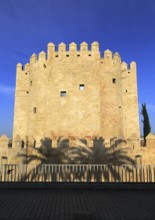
point(34, 110)
point(23, 144)
point(114, 80)
point(30, 83)
point(63, 93)
point(81, 87)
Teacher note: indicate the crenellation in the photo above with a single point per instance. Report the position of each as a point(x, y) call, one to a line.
point(73, 47)
point(50, 51)
point(95, 46)
point(4, 137)
point(133, 66)
point(19, 67)
point(117, 58)
point(83, 47)
point(26, 67)
point(62, 50)
point(61, 47)
point(107, 55)
point(94, 52)
point(51, 45)
point(95, 49)
point(124, 66)
point(33, 58)
point(42, 56)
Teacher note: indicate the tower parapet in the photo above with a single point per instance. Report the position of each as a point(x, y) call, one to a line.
point(84, 49)
point(95, 46)
point(95, 49)
point(124, 66)
point(62, 49)
point(72, 47)
point(107, 55)
point(42, 55)
point(26, 66)
point(117, 58)
point(33, 58)
point(50, 50)
point(74, 52)
point(133, 65)
point(19, 67)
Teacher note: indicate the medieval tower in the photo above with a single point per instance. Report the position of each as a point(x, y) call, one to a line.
point(76, 93)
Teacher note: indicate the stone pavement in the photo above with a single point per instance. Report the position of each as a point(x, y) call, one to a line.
point(65, 204)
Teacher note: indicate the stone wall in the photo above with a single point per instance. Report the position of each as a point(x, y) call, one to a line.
point(76, 93)
point(23, 149)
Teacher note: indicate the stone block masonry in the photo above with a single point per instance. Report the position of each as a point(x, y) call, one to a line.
point(76, 93)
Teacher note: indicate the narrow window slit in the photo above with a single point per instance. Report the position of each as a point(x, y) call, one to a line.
point(63, 93)
point(34, 110)
point(114, 80)
point(81, 87)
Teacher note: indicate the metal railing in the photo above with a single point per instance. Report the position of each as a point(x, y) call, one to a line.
point(76, 173)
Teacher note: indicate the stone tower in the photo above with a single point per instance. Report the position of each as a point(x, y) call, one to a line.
point(76, 93)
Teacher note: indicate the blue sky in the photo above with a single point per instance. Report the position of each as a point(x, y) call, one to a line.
point(26, 26)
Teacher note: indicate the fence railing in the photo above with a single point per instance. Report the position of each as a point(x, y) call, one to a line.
point(76, 173)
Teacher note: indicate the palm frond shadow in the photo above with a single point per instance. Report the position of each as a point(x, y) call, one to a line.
point(110, 158)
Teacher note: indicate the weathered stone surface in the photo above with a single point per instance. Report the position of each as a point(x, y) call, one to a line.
point(76, 98)
point(76, 93)
point(150, 141)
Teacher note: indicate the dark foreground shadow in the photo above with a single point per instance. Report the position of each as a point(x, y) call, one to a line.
point(76, 164)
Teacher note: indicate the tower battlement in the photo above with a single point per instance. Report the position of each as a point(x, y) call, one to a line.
point(71, 53)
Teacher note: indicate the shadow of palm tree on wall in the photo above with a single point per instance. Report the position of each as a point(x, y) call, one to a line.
point(103, 161)
point(113, 157)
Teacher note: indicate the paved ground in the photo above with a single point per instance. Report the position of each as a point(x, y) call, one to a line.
point(77, 204)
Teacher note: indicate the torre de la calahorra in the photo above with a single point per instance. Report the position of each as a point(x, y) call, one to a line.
point(78, 94)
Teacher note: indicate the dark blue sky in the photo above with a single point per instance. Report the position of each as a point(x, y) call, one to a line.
point(26, 27)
